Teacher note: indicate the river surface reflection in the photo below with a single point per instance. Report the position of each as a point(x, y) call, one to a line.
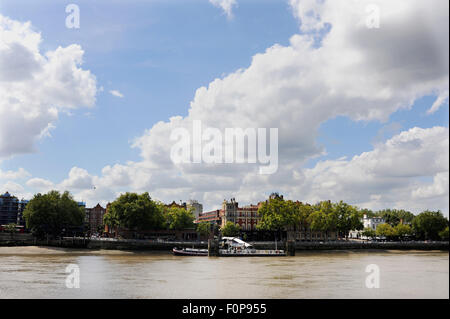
point(37, 272)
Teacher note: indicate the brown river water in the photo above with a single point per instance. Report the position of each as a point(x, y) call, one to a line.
point(37, 272)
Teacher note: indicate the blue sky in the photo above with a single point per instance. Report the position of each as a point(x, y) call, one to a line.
point(158, 53)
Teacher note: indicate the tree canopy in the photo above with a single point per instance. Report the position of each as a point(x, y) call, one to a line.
point(428, 225)
point(230, 229)
point(204, 229)
point(396, 216)
point(53, 212)
point(179, 218)
point(135, 212)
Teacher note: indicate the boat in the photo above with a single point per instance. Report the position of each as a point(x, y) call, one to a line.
point(189, 252)
point(235, 247)
point(231, 247)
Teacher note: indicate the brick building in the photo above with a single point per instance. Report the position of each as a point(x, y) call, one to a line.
point(212, 217)
point(94, 218)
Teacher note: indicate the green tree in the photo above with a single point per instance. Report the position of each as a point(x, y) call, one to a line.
point(135, 212)
point(52, 212)
point(444, 234)
point(11, 228)
point(278, 215)
point(318, 221)
point(385, 230)
point(230, 229)
point(348, 218)
point(369, 233)
point(428, 224)
point(204, 229)
point(394, 216)
point(302, 213)
point(179, 218)
point(402, 230)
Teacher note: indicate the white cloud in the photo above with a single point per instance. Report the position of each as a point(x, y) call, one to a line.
point(12, 187)
point(391, 175)
point(440, 100)
point(364, 74)
point(40, 185)
point(116, 93)
point(35, 86)
point(361, 73)
point(225, 5)
point(19, 174)
point(79, 179)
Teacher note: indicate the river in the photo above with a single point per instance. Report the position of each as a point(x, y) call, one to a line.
point(38, 272)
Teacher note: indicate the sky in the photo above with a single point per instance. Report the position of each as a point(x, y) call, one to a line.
point(358, 91)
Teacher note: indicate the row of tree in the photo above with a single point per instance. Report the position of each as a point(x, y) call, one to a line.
point(55, 213)
point(426, 225)
point(279, 215)
point(140, 212)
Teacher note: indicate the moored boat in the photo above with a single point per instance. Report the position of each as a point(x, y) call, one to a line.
point(231, 247)
point(189, 252)
point(235, 247)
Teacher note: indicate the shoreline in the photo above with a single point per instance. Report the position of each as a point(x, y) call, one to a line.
point(57, 251)
point(146, 245)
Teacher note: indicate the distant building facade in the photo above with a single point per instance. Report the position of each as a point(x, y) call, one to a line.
point(212, 217)
point(94, 218)
point(372, 222)
point(11, 210)
point(173, 204)
point(196, 207)
point(246, 217)
point(368, 222)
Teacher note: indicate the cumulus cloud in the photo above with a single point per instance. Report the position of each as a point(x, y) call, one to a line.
point(116, 93)
point(79, 178)
point(40, 185)
point(335, 66)
point(35, 86)
point(391, 175)
point(19, 174)
point(225, 5)
point(13, 188)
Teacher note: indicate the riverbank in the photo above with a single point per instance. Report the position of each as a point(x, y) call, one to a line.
point(113, 244)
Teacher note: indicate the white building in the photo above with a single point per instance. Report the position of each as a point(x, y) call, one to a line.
point(368, 222)
point(372, 223)
point(198, 208)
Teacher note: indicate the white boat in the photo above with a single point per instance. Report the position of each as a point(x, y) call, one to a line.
point(189, 252)
point(235, 247)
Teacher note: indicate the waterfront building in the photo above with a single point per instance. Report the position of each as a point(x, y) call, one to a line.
point(368, 222)
point(246, 217)
point(11, 210)
point(373, 222)
point(94, 218)
point(212, 217)
point(196, 207)
point(22, 205)
point(173, 204)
